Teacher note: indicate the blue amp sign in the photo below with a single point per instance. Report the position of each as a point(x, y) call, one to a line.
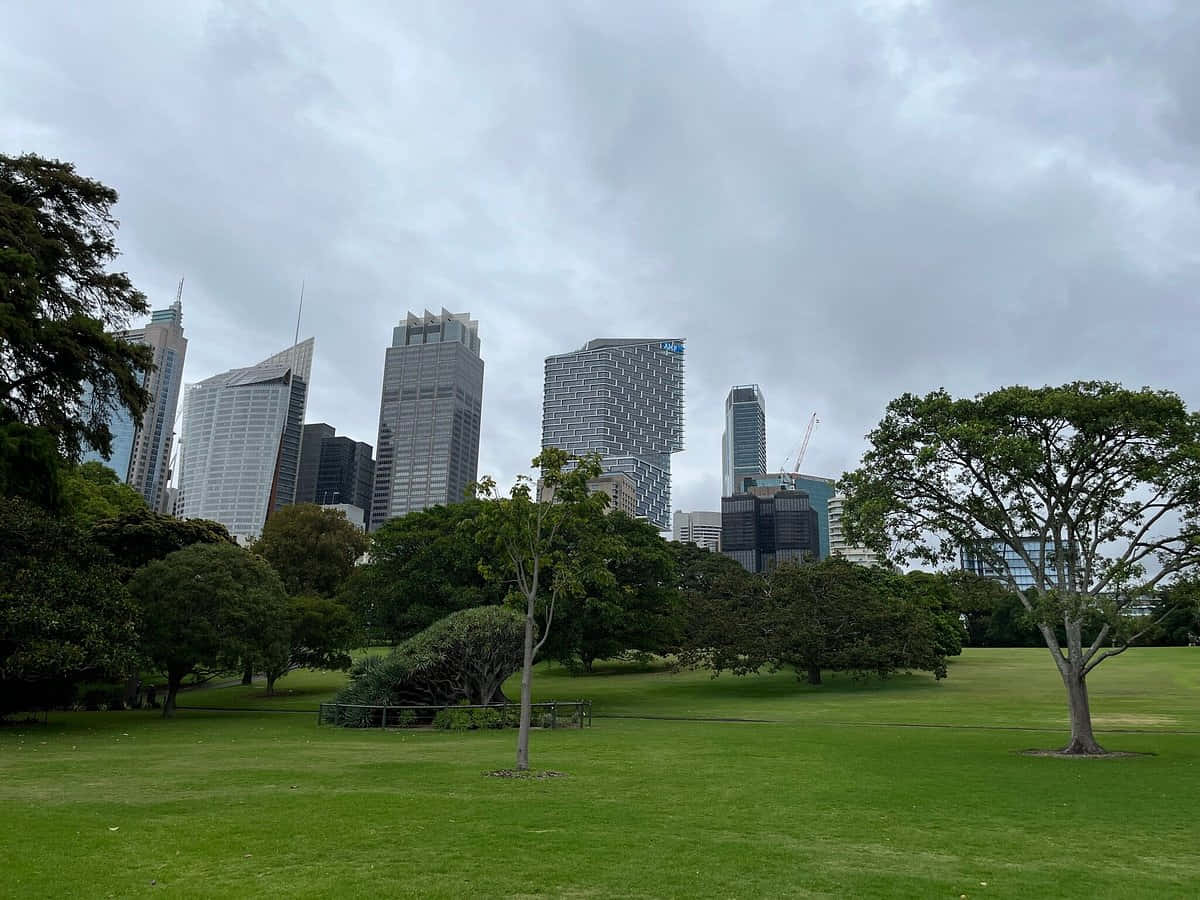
point(671, 346)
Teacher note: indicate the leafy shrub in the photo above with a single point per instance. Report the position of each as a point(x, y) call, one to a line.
point(487, 718)
point(464, 657)
point(454, 718)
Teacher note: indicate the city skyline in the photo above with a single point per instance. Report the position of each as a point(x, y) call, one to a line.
point(832, 224)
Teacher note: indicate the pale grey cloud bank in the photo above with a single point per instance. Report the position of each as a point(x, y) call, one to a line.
point(838, 204)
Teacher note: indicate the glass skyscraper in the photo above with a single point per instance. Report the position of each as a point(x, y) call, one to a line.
point(241, 441)
point(429, 414)
point(744, 443)
point(621, 398)
point(141, 451)
point(997, 559)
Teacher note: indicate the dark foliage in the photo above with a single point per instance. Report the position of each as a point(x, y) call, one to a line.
point(60, 367)
point(464, 657)
point(64, 615)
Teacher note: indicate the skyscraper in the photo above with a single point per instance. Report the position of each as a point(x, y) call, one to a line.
point(241, 441)
point(141, 451)
point(744, 443)
point(768, 526)
point(820, 492)
point(428, 447)
point(310, 460)
point(345, 473)
point(621, 398)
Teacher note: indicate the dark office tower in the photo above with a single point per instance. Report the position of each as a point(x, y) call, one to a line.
point(744, 443)
point(310, 461)
point(769, 526)
point(346, 473)
point(621, 398)
point(428, 447)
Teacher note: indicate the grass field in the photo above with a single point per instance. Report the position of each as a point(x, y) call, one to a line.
point(832, 796)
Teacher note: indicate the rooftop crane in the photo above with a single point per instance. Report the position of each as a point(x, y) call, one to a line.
point(812, 422)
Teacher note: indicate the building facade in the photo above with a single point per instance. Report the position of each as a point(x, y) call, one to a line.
point(241, 441)
point(999, 560)
point(345, 472)
point(768, 526)
point(621, 491)
point(310, 460)
point(429, 415)
point(621, 398)
point(744, 441)
point(820, 492)
point(838, 545)
point(141, 450)
point(700, 528)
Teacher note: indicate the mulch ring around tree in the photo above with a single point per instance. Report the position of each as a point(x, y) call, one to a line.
point(513, 773)
point(1107, 754)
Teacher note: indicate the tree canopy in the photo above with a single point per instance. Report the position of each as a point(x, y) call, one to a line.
point(64, 614)
point(312, 548)
point(422, 567)
point(629, 603)
point(208, 607)
point(141, 536)
point(61, 368)
point(92, 491)
point(832, 616)
point(320, 635)
point(1089, 491)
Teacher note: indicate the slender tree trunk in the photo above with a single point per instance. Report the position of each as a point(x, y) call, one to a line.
point(248, 674)
point(271, 684)
point(172, 689)
point(814, 674)
point(1083, 742)
point(526, 693)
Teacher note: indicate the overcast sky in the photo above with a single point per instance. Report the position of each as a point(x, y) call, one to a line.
point(841, 202)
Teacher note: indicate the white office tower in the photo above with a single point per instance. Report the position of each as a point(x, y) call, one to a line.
point(241, 441)
point(700, 528)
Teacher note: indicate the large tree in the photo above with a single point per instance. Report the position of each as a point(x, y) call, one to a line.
point(208, 608)
point(630, 604)
point(64, 614)
point(1090, 488)
point(423, 566)
point(521, 533)
point(312, 548)
point(320, 635)
point(61, 368)
point(827, 616)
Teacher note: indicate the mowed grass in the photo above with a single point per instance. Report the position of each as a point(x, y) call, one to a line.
point(819, 801)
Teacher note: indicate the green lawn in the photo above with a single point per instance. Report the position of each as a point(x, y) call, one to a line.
point(824, 800)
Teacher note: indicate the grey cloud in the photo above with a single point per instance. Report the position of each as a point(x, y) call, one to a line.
point(840, 204)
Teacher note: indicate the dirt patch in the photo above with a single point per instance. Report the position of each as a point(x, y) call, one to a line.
point(1108, 754)
point(513, 773)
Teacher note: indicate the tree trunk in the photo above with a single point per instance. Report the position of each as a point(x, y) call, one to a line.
point(172, 689)
point(271, 684)
point(1083, 742)
point(526, 693)
point(248, 674)
point(814, 674)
